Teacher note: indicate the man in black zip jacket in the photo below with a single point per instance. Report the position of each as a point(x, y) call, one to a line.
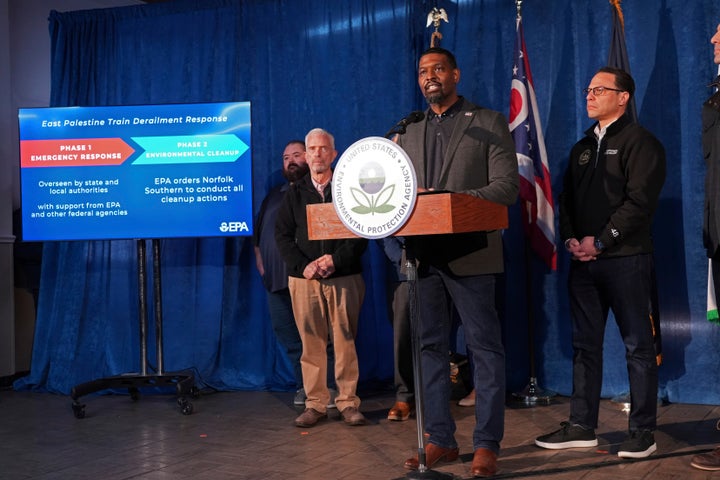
point(610, 193)
point(326, 288)
point(711, 215)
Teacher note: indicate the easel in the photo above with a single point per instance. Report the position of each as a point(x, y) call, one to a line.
point(184, 382)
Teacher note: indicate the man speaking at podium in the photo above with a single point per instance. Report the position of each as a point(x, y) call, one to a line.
point(460, 147)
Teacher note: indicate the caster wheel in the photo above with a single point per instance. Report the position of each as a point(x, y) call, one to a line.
point(134, 394)
point(186, 408)
point(78, 410)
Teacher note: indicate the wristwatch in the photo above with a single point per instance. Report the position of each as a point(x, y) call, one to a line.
point(599, 246)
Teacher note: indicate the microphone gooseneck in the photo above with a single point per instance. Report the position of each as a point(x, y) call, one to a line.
point(400, 127)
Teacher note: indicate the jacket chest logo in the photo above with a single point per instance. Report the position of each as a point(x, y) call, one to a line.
point(584, 157)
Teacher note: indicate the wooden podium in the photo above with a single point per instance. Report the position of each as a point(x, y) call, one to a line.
point(434, 213)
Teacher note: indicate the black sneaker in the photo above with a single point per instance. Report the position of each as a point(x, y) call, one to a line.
point(569, 436)
point(300, 397)
point(640, 444)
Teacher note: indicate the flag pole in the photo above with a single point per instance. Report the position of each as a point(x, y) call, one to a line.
point(532, 394)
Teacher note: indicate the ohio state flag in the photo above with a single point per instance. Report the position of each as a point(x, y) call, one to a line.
point(535, 186)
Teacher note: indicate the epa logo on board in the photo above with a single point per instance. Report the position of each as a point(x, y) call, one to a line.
point(226, 227)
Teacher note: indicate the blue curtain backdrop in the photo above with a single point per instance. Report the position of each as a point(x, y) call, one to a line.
point(350, 67)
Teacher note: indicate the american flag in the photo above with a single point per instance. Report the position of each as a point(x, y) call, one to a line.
point(535, 186)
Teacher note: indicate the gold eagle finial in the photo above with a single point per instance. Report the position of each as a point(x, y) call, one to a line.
point(434, 18)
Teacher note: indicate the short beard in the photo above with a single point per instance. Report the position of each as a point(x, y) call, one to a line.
point(435, 98)
point(293, 175)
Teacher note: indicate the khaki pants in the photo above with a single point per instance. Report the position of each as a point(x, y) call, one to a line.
point(322, 308)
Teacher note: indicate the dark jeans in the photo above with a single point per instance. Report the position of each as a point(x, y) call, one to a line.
point(285, 329)
point(402, 341)
point(622, 284)
point(283, 324)
point(474, 299)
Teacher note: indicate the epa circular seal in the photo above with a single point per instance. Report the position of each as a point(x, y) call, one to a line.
point(374, 187)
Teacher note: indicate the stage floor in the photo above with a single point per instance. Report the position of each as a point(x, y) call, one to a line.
point(250, 435)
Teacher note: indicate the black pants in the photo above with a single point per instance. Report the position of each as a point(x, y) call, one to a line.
point(623, 284)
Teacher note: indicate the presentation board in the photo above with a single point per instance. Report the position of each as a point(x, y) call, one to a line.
point(142, 171)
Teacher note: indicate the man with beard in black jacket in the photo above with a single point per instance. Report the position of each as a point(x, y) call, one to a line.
point(271, 266)
point(711, 225)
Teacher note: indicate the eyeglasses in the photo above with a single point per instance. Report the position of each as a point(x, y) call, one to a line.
point(599, 91)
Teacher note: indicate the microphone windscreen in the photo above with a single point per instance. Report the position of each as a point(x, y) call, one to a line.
point(416, 116)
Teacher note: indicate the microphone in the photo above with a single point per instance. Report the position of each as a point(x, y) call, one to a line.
point(401, 126)
point(413, 117)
